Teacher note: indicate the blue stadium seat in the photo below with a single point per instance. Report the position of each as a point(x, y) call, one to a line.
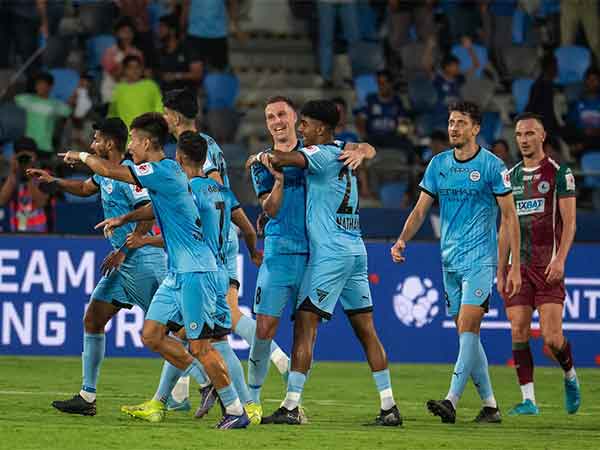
point(96, 46)
point(222, 90)
point(422, 94)
point(573, 61)
point(491, 128)
point(65, 83)
point(590, 162)
point(521, 87)
point(465, 59)
point(391, 194)
point(363, 86)
point(70, 198)
point(8, 149)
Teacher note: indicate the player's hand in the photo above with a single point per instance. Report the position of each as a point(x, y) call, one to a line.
point(257, 257)
point(251, 160)
point(261, 223)
point(134, 240)
point(108, 225)
point(41, 175)
point(352, 158)
point(501, 280)
point(513, 282)
point(70, 157)
point(397, 250)
point(555, 271)
point(277, 173)
point(112, 262)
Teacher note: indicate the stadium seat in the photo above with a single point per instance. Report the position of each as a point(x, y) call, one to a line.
point(465, 59)
point(412, 60)
point(70, 198)
point(96, 46)
point(422, 94)
point(590, 162)
point(391, 194)
point(222, 90)
point(65, 83)
point(8, 149)
point(366, 58)
point(363, 86)
point(573, 92)
point(520, 92)
point(520, 62)
point(491, 128)
point(573, 61)
point(12, 122)
point(479, 91)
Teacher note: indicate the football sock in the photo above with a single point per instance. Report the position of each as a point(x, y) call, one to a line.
point(196, 371)
point(246, 328)
point(523, 360)
point(234, 367)
point(468, 354)
point(295, 387)
point(91, 358)
point(181, 390)
point(481, 379)
point(565, 359)
point(230, 400)
point(168, 379)
point(258, 366)
point(384, 387)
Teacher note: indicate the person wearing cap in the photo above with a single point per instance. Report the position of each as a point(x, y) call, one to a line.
point(140, 270)
point(26, 202)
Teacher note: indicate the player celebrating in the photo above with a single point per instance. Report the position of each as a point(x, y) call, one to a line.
point(140, 271)
point(545, 199)
point(190, 290)
point(470, 183)
point(337, 267)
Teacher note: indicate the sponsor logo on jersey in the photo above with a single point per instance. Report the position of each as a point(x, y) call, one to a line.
point(415, 302)
point(138, 191)
point(478, 292)
point(475, 175)
point(543, 187)
point(505, 178)
point(530, 206)
point(144, 169)
point(311, 150)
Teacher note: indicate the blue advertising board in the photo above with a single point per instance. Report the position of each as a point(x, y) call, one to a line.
point(45, 283)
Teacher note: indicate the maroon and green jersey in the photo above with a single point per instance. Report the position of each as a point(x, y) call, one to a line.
point(536, 192)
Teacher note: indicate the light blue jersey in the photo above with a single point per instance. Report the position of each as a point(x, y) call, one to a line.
point(332, 219)
point(176, 215)
point(467, 192)
point(286, 232)
point(215, 161)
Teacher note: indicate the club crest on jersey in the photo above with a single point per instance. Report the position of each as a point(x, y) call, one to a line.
point(311, 150)
point(144, 169)
point(570, 180)
point(543, 187)
point(193, 326)
point(108, 187)
point(475, 175)
point(506, 178)
point(530, 206)
point(478, 292)
point(138, 191)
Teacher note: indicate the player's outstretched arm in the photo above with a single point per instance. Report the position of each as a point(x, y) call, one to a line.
point(354, 154)
point(140, 214)
point(278, 159)
point(80, 188)
point(411, 226)
point(509, 240)
point(100, 166)
point(238, 217)
point(135, 240)
point(555, 271)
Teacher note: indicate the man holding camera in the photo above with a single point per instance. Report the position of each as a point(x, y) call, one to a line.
point(26, 202)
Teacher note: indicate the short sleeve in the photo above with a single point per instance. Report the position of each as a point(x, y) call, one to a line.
point(96, 179)
point(499, 178)
point(235, 204)
point(212, 156)
point(565, 182)
point(429, 182)
point(262, 180)
point(146, 175)
point(136, 195)
point(317, 158)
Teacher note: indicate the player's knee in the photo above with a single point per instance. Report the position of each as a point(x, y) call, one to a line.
point(519, 332)
point(92, 323)
point(553, 339)
point(265, 329)
point(151, 339)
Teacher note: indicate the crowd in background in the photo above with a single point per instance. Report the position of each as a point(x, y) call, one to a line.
point(67, 63)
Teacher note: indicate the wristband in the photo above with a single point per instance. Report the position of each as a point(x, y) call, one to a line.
point(83, 156)
point(258, 156)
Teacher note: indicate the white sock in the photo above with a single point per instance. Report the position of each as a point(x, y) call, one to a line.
point(88, 396)
point(570, 374)
point(528, 392)
point(292, 399)
point(235, 408)
point(181, 391)
point(490, 402)
point(387, 399)
point(453, 399)
point(281, 360)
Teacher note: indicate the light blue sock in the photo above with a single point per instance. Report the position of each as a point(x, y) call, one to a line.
point(196, 371)
point(230, 400)
point(234, 366)
point(481, 379)
point(168, 379)
point(92, 356)
point(246, 328)
point(384, 387)
point(295, 388)
point(468, 355)
point(258, 366)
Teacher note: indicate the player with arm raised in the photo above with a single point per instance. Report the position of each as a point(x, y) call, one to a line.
point(470, 184)
point(139, 273)
point(337, 266)
point(544, 194)
point(189, 292)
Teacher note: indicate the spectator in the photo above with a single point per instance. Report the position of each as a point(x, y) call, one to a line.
point(404, 13)
point(206, 23)
point(342, 132)
point(42, 112)
point(176, 68)
point(541, 97)
point(139, 14)
point(134, 95)
point(379, 120)
point(501, 149)
point(438, 143)
point(26, 202)
point(448, 81)
point(584, 116)
point(574, 12)
point(473, 58)
point(113, 57)
point(552, 149)
point(329, 11)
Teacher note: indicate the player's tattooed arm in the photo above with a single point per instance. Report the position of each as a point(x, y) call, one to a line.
point(100, 166)
point(411, 226)
point(354, 154)
point(80, 188)
point(239, 218)
point(509, 236)
point(555, 271)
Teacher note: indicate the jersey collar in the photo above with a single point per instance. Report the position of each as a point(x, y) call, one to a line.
point(465, 160)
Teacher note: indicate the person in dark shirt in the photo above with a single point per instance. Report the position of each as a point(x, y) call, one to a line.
point(584, 116)
point(448, 81)
point(541, 97)
point(177, 69)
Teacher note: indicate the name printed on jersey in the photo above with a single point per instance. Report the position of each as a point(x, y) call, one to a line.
point(530, 206)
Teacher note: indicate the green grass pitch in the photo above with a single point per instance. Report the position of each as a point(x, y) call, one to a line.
point(339, 398)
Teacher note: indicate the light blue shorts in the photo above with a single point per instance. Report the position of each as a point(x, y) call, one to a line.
point(223, 322)
point(278, 282)
point(468, 287)
point(135, 282)
point(327, 279)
